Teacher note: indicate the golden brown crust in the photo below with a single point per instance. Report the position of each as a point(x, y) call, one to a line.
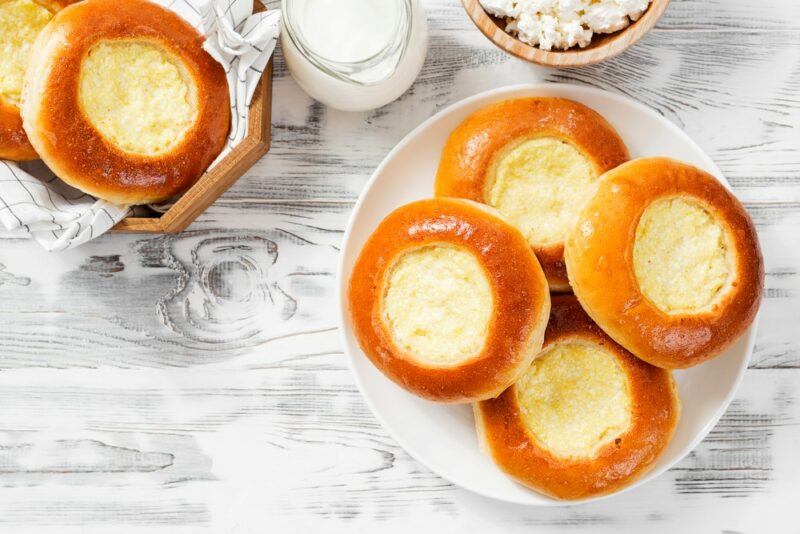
point(519, 290)
point(600, 264)
point(74, 149)
point(55, 5)
point(655, 413)
point(14, 144)
point(472, 146)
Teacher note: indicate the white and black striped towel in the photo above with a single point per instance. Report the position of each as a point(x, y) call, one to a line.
point(34, 202)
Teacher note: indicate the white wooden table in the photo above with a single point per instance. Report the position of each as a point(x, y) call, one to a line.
point(196, 383)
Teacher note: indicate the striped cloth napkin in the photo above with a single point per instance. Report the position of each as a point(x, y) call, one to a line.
point(36, 203)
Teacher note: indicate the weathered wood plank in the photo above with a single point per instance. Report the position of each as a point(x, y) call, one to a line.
point(179, 300)
point(685, 15)
point(723, 16)
point(734, 96)
point(177, 446)
point(209, 295)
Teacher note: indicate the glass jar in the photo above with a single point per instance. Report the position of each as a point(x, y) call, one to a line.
point(354, 55)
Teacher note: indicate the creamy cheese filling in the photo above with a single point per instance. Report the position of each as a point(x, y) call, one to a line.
point(540, 185)
point(20, 23)
point(437, 304)
point(681, 256)
point(574, 399)
point(139, 96)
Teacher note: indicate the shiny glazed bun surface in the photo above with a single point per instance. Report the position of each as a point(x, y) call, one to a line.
point(536, 160)
point(666, 260)
point(448, 301)
point(122, 102)
point(20, 24)
point(587, 418)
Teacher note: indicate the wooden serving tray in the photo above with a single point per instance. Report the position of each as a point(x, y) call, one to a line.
point(218, 179)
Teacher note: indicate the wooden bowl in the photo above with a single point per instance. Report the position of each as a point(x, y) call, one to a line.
point(603, 46)
point(221, 176)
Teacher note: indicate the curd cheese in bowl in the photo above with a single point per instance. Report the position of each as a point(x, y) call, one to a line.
point(563, 24)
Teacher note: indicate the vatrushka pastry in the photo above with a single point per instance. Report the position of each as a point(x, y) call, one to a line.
point(666, 260)
point(447, 299)
point(121, 101)
point(586, 418)
point(536, 160)
point(20, 23)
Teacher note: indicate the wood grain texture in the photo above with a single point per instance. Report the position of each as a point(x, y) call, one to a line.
point(195, 382)
point(735, 93)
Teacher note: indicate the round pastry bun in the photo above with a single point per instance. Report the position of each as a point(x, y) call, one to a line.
point(588, 418)
point(122, 102)
point(448, 301)
point(20, 23)
point(666, 260)
point(536, 161)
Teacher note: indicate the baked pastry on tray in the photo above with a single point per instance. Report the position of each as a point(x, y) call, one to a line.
point(20, 23)
point(122, 102)
point(666, 260)
point(447, 299)
point(536, 160)
point(587, 418)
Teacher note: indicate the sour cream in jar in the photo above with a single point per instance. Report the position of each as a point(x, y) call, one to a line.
point(354, 55)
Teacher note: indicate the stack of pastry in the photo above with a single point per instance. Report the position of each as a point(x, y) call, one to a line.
point(573, 393)
point(119, 99)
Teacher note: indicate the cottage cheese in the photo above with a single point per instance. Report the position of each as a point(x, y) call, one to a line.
point(562, 24)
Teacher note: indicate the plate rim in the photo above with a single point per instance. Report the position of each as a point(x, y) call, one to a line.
point(343, 321)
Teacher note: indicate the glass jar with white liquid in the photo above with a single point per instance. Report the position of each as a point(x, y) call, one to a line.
point(354, 55)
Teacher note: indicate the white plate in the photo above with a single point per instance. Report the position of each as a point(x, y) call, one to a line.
point(443, 436)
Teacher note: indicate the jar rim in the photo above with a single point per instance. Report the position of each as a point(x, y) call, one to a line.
point(346, 70)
